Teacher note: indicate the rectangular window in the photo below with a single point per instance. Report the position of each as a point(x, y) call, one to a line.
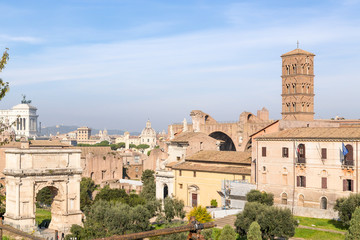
point(180, 173)
point(348, 185)
point(324, 182)
point(178, 158)
point(301, 181)
point(180, 185)
point(263, 151)
point(323, 153)
point(285, 152)
point(194, 173)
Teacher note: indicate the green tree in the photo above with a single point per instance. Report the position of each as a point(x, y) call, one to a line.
point(132, 145)
point(354, 229)
point(227, 233)
point(254, 232)
point(173, 208)
point(260, 197)
point(175, 236)
point(117, 145)
point(248, 216)
point(149, 187)
point(142, 146)
point(4, 86)
point(273, 221)
point(108, 194)
point(87, 187)
point(201, 214)
point(346, 207)
point(108, 218)
point(45, 196)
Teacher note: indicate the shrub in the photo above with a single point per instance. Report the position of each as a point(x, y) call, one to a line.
point(354, 229)
point(260, 197)
point(254, 232)
point(227, 233)
point(346, 207)
point(273, 221)
point(213, 203)
point(201, 214)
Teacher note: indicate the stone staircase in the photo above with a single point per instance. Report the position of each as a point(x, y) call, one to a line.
point(221, 222)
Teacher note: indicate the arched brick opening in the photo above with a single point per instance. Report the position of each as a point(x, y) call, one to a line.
point(227, 145)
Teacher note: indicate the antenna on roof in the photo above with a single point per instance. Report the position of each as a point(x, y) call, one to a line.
point(297, 44)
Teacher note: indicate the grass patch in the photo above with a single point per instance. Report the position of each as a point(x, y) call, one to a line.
point(321, 223)
point(42, 215)
point(310, 234)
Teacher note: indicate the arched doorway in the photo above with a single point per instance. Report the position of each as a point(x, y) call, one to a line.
point(193, 191)
point(323, 203)
point(166, 191)
point(227, 145)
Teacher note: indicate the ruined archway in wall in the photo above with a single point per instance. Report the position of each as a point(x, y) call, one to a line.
point(27, 171)
point(227, 145)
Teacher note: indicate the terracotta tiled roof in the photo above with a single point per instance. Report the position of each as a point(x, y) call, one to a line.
point(221, 157)
point(315, 133)
point(297, 51)
point(184, 137)
point(210, 167)
point(169, 165)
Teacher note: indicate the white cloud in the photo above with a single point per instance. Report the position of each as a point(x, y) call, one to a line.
point(20, 39)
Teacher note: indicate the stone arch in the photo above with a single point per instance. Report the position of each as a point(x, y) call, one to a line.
point(248, 145)
point(284, 198)
point(301, 200)
point(227, 145)
point(58, 169)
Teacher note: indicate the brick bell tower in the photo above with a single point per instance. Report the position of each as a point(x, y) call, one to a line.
point(298, 85)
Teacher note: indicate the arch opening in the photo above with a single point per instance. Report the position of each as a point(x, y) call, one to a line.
point(227, 145)
point(323, 203)
point(44, 206)
point(166, 191)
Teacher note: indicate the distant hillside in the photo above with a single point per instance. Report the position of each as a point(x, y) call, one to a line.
point(61, 129)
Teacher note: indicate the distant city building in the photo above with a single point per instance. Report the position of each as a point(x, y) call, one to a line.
point(22, 118)
point(148, 135)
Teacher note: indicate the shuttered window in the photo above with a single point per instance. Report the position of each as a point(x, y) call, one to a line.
point(285, 152)
point(301, 181)
point(324, 182)
point(323, 153)
point(263, 151)
point(348, 185)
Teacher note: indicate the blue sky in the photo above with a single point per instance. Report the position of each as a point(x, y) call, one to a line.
point(116, 63)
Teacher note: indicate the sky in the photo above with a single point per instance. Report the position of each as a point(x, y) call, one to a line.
point(115, 64)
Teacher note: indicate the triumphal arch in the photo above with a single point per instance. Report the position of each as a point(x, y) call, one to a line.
point(28, 170)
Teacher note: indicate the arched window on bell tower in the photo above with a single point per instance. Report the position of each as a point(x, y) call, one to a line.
point(288, 106)
point(294, 107)
point(294, 69)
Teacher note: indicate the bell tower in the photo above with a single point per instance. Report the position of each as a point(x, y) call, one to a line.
point(298, 85)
